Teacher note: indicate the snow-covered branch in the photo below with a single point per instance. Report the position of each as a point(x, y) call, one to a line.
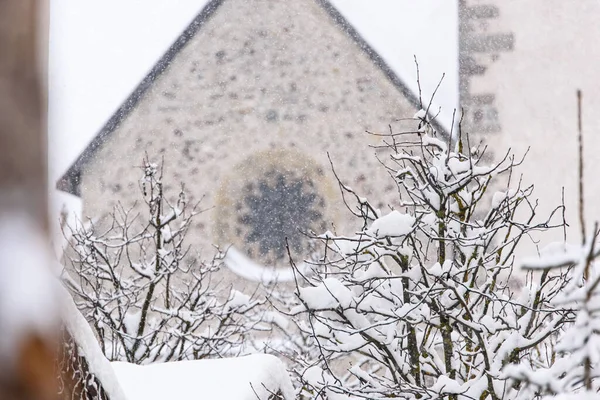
point(143, 289)
point(421, 302)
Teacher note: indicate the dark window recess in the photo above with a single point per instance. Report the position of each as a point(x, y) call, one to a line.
point(277, 208)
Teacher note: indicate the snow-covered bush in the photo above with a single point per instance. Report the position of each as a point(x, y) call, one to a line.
point(575, 369)
point(143, 290)
point(421, 302)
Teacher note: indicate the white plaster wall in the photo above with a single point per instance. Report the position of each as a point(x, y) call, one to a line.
point(555, 53)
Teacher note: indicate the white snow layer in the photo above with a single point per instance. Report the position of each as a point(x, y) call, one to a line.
point(392, 224)
point(243, 266)
point(88, 347)
point(253, 377)
point(330, 293)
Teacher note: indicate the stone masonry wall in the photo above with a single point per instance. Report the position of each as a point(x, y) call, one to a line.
point(265, 88)
point(482, 40)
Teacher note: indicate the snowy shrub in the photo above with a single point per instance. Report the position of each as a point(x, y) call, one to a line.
point(576, 367)
point(145, 293)
point(421, 302)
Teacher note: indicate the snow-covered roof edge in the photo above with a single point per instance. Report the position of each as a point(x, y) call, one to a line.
point(70, 181)
point(88, 346)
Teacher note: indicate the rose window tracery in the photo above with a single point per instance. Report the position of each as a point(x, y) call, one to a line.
point(270, 198)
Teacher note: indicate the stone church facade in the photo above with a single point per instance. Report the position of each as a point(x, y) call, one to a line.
point(257, 90)
point(250, 108)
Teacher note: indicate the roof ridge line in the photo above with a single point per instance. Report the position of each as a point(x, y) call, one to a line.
point(70, 180)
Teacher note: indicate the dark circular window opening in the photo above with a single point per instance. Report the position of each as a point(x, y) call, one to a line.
point(279, 207)
point(272, 196)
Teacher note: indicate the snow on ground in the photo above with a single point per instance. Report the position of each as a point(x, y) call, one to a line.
point(252, 377)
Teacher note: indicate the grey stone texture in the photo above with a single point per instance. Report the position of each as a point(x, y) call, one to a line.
point(481, 43)
point(265, 87)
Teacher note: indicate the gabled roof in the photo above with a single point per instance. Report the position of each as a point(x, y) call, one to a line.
point(70, 181)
